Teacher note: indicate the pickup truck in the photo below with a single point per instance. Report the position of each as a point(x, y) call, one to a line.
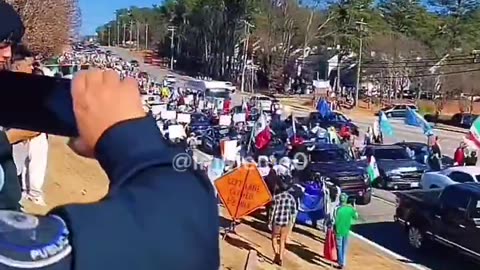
point(339, 168)
point(449, 216)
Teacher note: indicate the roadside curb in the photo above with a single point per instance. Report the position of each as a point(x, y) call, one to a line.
point(399, 257)
point(252, 260)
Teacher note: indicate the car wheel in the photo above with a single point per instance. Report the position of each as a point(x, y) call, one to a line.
point(366, 198)
point(415, 237)
point(380, 183)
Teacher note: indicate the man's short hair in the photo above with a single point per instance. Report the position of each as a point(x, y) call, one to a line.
point(21, 52)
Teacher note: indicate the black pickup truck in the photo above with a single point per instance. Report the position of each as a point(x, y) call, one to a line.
point(449, 216)
point(338, 167)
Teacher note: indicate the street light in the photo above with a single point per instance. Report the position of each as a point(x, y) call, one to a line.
point(242, 86)
point(360, 25)
point(172, 29)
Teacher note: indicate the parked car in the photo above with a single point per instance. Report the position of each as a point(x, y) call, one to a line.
point(464, 120)
point(397, 110)
point(449, 217)
point(450, 176)
point(339, 168)
point(397, 169)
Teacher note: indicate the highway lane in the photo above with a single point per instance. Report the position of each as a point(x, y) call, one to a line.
point(154, 71)
point(376, 219)
point(376, 224)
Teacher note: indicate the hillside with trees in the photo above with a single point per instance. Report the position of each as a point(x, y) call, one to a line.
point(431, 44)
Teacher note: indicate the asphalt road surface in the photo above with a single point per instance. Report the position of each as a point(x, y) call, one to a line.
point(376, 219)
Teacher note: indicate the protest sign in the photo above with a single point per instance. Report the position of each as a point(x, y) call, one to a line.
point(176, 131)
point(225, 120)
point(158, 108)
point(188, 99)
point(228, 149)
point(242, 191)
point(169, 115)
point(183, 118)
point(239, 117)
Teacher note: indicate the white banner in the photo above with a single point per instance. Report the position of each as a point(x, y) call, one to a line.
point(169, 115)
point(176, 131)
point(239, 117)
point(225, 120)
point(158, 108)
point(184, 118)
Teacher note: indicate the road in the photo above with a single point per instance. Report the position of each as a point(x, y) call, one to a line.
point(376, 219)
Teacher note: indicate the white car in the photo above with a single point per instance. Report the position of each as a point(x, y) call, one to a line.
point(231, 87)
point(450, 176)
point(264, 102)
point(171, 78)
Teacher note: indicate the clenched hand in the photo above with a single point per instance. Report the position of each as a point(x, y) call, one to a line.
point(100, 100)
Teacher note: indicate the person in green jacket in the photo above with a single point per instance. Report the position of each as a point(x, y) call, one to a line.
point(345, 216)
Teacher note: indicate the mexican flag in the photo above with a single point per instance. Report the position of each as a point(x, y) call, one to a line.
point(474, 134)
point(372, 169)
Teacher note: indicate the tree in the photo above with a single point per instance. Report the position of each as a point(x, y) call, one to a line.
point(401, 15)
point(456, 22)
point(50, 25)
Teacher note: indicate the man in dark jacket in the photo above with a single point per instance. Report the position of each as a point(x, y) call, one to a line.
point(153, 217)
point(12, 148)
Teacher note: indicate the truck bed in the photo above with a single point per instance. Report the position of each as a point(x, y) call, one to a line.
point(424, 197)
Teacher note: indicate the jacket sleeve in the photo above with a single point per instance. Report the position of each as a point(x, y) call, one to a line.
point(153, 217)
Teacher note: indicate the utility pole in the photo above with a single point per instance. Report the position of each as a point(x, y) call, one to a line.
point(124, 33)
point(131, 32)
point(118, 33)
point(138, 35)
point(360, 25)
point(245, 52)
point(109, 32)
point(172, 46)
point(146, 36)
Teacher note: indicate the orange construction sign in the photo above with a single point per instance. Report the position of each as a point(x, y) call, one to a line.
point(243, 191)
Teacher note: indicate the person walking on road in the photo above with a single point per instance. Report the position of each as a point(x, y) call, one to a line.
point(459, 155)
point(345, 216)
point(283, 214)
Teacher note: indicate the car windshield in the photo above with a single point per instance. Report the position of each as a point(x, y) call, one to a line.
point(330, 155)
point(199, 118)
point(391, 153)
point(341, 117)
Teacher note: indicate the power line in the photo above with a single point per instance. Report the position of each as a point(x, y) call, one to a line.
point(432, 75)
point(436, 59)
point(386, 66)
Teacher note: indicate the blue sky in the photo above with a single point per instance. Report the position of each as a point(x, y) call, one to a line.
point(98, 12)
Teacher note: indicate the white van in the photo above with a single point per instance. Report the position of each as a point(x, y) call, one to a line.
point(217, 89)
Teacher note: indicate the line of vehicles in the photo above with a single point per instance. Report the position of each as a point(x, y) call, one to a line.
point(437, 207)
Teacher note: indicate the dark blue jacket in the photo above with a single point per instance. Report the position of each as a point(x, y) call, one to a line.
point(153, 217)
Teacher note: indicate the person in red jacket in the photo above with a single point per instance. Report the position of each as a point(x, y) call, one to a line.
point(459, 156)
point(345, 133)
point(227, 106)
